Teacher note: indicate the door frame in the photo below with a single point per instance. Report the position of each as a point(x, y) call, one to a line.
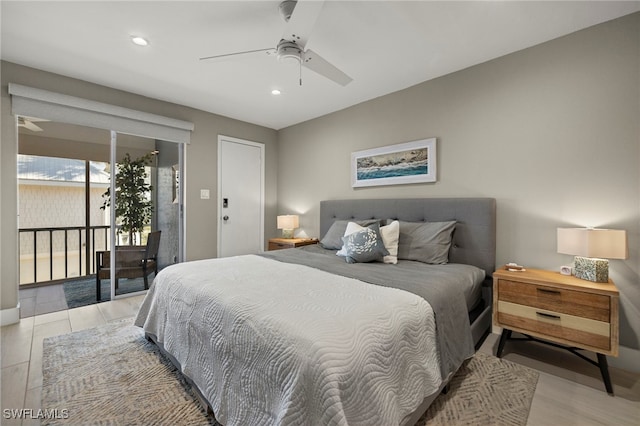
point(182, 223)
point(221, 139)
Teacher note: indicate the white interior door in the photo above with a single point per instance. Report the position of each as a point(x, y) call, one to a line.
point(240, 197)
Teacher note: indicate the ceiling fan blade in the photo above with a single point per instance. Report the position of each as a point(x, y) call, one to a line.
point(28, 125)
point(35, 120)
point(317, 63)
point(302, 21)
point(247, 52)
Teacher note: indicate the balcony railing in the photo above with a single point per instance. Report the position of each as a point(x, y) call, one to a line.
point(59, 252)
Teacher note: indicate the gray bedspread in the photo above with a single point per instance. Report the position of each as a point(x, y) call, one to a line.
point(442, 286)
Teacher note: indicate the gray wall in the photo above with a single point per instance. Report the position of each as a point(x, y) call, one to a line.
point(201, 161)
point(552, 132)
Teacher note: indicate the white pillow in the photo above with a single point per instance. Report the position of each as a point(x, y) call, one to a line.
point(390, 237)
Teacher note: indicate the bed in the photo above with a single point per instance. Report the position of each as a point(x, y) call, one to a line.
point(301, 336)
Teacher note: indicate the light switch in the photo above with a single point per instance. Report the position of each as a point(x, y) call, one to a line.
point(204, 194)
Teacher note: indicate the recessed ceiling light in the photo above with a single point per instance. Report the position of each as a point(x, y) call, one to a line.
point(275, 92)
point(139, 41)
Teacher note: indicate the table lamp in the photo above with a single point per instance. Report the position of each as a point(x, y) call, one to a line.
point(288, 223)
point(592, 249)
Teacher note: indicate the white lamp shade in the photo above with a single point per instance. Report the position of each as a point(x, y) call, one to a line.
point(590, 242)
point(289, 221)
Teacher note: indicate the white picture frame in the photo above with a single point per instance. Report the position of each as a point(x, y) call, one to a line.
point(403, 163)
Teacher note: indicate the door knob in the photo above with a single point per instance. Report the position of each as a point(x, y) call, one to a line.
point(225, 217)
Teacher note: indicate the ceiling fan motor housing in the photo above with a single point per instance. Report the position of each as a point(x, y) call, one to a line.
point(289, 52)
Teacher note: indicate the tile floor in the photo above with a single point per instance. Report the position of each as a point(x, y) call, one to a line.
point(21, 348)
point(42, 300)
point(569, 391)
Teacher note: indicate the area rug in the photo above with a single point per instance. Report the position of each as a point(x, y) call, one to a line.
point(111, 375)
point(485, 391)
point(82, 292)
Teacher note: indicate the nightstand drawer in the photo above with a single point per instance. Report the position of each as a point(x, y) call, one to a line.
point(279, 246)
point(576, 329)
point(575, 303)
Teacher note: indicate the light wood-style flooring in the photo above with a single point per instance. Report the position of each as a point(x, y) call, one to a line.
point(569, 391)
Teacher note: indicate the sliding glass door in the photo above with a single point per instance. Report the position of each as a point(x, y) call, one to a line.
point(145, 205)
point(67, 226)
point(143, 201)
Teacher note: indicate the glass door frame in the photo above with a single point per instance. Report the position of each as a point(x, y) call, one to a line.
point(112, 219)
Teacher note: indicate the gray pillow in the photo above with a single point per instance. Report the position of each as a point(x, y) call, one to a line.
point(365, 245)
point(427, 242)
point(332, 240)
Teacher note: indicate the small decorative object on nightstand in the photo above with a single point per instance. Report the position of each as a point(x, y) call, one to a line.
point(560, 310)
point(592, 247)
point(285, 243)
point(288, 223)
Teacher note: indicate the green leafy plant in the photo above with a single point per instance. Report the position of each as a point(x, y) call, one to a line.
point(133, 208)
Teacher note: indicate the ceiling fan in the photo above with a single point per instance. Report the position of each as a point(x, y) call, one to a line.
point(27, 123)
point(300, 17)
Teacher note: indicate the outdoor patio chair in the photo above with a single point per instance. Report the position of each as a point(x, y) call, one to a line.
point(131, 262)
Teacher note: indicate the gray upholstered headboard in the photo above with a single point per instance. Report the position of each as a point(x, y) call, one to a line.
point(474, 239)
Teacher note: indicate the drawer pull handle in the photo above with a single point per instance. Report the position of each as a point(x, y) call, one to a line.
point(544, 290)
point(543, 314)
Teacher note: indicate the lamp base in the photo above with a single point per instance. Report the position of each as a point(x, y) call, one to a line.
point(287, 233)
point(591, 269)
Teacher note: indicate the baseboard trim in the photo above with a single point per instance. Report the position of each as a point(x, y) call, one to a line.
point(10, 316)
point(628, 359)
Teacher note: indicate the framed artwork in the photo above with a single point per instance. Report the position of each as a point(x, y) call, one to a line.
point(409, 162)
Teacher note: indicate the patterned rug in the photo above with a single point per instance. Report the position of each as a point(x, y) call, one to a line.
point(111, 375)
point(485, 391)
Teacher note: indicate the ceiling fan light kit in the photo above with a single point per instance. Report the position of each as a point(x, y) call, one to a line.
point(300, 18)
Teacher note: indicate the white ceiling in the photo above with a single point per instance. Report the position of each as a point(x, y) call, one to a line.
point(384, 46)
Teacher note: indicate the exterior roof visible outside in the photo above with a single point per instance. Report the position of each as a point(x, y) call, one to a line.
point(36, 168)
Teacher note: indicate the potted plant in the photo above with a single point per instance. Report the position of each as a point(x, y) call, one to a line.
point(133, 207)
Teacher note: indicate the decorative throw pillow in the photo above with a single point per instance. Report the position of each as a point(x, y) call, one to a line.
point(365, 245)
point(332, 240)
point(427, 242)
point(390, 235)
point(351, 228)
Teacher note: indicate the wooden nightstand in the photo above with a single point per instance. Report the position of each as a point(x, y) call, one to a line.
point(562, 310)
point(285, 243)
